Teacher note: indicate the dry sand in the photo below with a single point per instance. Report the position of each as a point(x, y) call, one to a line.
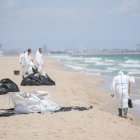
point(71, 89)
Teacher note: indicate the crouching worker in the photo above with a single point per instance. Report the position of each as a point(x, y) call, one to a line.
point(121, 86)
point(29, 61)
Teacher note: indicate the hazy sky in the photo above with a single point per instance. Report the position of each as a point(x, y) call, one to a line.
point(69, 23)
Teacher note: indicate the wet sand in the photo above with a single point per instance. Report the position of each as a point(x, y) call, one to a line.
point(71, 89)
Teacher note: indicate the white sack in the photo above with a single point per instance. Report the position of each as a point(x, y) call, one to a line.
point(35, 101)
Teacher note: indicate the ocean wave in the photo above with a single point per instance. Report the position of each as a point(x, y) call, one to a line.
point(74, 58)
point(92, 60)
point(134, 73)
point(74, 67)
point(132, 61)
point(130, 65)
point(59, 57)
point(112, 69)
point(103, 63)
point(109, 60)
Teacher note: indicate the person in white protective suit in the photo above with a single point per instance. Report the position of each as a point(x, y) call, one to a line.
point(39, 59)
point(29, 61)
point(121, 85)
point(23, 63)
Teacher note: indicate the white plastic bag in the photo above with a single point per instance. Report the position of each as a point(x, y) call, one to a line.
point(32, 102)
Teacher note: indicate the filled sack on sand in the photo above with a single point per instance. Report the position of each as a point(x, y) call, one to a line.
point(7, 85)
point(38, 101)
point(35, 101)
point(37, 79)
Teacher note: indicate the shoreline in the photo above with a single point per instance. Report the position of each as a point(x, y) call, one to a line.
point(71, 89)
point(105, 85)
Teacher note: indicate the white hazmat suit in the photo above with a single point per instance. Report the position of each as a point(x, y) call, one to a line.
point(39, 60)
point(23, 63)
point(22, 59)
point(120, 85)
point(29, 62)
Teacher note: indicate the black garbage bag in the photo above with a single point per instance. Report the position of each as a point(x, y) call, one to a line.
point(7, 112)
point(78, 108)
point(35, 70)
point(7, 85)
point(37, 79)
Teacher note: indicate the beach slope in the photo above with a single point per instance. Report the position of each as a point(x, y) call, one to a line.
point(71, 89)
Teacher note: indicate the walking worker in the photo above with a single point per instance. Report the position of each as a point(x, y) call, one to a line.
point(29, 61)
point(39, 59)
point(23, 63)
point(121, 85)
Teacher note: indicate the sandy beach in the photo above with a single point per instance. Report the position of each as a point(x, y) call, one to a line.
point(71, 89)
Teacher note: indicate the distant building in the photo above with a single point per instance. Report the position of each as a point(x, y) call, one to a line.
point(1, 52)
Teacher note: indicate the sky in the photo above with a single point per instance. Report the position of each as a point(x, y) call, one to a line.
point(69, 24)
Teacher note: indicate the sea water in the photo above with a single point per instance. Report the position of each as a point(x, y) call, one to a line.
point(102, 64)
